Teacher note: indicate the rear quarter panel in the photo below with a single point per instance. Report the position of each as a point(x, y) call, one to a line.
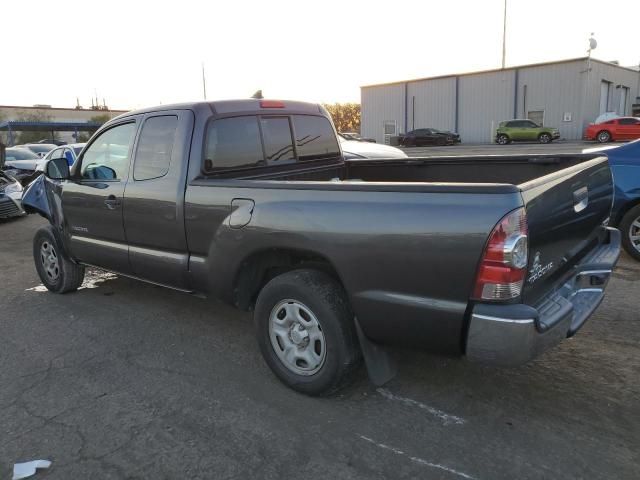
point(406, 259)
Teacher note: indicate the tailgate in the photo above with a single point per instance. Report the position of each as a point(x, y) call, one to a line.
point(566, 211)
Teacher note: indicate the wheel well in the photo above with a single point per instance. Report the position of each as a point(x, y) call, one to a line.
point(543, 133)
point(259, 268)
point(623, 211)
point(604, 130)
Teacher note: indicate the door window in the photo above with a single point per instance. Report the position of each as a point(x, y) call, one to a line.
point(627, 121)
point(153, 153)
point(278, 144)
point(315, 139)
point(107, 158)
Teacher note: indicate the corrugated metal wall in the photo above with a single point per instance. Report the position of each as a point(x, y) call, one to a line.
point(380, 104)
point(556, 90)
point(487, 98)
point(619, 77)
point(434, 102)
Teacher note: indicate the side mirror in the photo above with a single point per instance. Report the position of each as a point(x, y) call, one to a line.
point(57, 169)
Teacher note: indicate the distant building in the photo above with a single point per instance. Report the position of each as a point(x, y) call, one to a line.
point(565, 94)
point(54, 114)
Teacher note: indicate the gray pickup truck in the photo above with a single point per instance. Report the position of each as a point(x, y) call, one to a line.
point(251, 201)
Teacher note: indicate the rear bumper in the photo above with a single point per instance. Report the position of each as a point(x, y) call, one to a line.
point(511, 335)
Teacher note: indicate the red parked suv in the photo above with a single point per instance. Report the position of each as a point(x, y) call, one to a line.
point(625, 128)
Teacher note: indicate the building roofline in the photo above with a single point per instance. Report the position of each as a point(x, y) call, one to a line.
point(494, 70)
point(63, 108)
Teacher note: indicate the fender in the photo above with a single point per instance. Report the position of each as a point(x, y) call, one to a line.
point(44, 196)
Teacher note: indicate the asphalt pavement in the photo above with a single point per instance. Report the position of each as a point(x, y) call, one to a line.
point(127, 380)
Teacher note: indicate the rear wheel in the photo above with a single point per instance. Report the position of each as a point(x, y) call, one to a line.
point(306, 331)
point(57, 272)
point(502, 139)
point(603, 136)
point(544, 138)
point(630, 228)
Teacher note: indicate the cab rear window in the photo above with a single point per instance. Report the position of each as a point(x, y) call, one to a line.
point(239, 143)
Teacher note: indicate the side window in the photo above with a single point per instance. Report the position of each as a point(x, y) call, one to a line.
point(278, 144)
point(68, 155)
point(315, 139)
point(57, 153)
point(107, 158)
point(153, 153)
point(511, 124)
point(233, 143)
point(627, 121)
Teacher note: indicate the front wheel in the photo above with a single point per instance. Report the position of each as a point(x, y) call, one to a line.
point(306, 331)
point(630, 228)
point(544, 138)
point(57, 272)
point(502, 139)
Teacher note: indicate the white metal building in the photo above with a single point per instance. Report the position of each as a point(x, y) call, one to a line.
point(566, 94)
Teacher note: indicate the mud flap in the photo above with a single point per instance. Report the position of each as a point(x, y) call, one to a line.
point(380, 366)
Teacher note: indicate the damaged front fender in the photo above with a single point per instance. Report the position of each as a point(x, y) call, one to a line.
point(35, 198)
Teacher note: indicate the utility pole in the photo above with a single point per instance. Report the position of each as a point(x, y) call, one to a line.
point(504, 35)
point(204, 83)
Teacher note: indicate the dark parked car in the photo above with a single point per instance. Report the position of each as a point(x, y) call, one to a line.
point(251, 201)
point(428, 136)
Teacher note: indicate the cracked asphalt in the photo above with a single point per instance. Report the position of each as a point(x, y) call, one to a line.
point(129, 380)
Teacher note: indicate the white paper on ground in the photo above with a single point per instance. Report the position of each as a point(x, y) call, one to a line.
point(27, 469)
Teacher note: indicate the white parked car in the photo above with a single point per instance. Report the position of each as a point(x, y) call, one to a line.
point(21, 159)
point(354, 149)
point(10, 196)
point(70, 152)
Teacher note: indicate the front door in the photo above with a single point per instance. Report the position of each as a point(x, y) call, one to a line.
point(92, 200)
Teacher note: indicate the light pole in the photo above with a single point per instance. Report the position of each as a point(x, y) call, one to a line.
point(504, 35)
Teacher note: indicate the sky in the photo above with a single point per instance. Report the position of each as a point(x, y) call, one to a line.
point(138, 53)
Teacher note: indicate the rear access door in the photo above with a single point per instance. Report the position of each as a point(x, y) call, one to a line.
point(566, 212)
point(154, 199)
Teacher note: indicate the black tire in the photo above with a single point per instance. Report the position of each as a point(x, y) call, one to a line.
point(545, 138)
point(327, 301)
point(603, 136)
point(630, 225)
point(502, 139)
point(67, 276)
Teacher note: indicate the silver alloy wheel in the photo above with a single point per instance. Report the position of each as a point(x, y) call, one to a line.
point(502, 139)
point(604, 137)
point(634, 234)
point(545, 138)
point(49, 259)
point(297, 338)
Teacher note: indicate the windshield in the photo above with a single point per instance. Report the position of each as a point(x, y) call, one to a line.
point(21, 154)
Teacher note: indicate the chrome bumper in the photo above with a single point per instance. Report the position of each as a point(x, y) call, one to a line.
point(511, 335)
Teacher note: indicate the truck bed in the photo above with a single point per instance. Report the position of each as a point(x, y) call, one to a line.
point(495, 169)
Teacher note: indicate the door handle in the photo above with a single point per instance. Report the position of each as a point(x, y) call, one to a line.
point(112, 202)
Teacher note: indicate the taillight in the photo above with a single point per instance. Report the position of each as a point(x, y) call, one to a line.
point(271, 104)
point(504, 261)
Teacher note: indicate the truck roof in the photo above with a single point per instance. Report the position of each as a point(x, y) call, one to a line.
point(238, 106)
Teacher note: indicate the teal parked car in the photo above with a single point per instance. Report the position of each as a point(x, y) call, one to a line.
point(524, 131)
